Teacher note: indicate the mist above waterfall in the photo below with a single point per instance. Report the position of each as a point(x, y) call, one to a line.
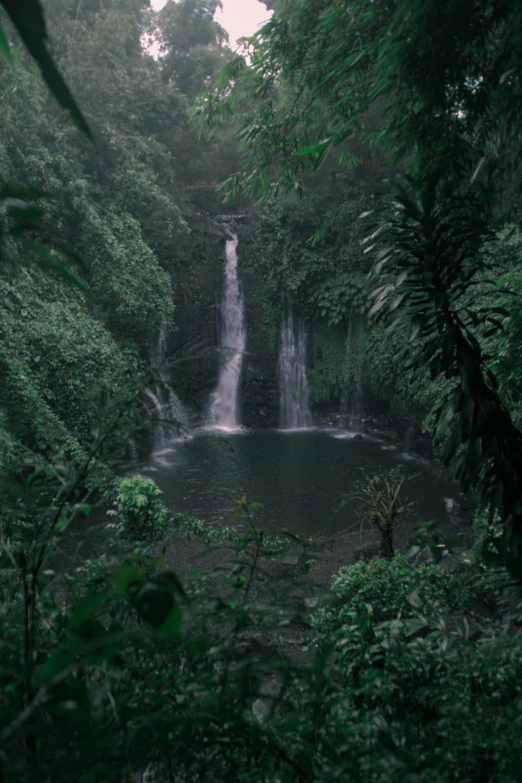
point(224, 413)
point(294, 404)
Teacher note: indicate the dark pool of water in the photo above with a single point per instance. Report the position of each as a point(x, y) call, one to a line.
point(299, 477)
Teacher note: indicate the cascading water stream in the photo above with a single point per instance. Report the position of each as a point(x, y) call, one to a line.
point(295, 395)
point(232, 339)
point(164, 401)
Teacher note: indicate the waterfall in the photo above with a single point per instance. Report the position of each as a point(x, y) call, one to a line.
point(351, 403)
point(133, 452)
point(164, 402)
point(295, 395)
point(232, 340)
point(158, 434)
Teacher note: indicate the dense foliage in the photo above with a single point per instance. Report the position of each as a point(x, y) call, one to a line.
point(136, 675)
point(415, 689)
point(114, 670)
point(442, 89)
point(112, 210)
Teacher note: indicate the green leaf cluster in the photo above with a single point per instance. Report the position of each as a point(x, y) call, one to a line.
point(140, 511)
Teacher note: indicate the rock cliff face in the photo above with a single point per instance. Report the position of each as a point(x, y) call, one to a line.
point(260, 402)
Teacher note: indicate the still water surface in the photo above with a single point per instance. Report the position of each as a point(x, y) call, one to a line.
point(298, 476)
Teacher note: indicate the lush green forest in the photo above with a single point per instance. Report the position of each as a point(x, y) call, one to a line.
point(261, 392)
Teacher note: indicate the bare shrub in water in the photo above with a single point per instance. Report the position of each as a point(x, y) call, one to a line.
point(378, 497)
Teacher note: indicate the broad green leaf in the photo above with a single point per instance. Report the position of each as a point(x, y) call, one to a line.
point(170, 580)
point(151, 601)
point(125, 574)
point(86, 608)
point(172, 625)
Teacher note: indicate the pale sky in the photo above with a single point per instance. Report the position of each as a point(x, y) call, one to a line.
point(239, 17)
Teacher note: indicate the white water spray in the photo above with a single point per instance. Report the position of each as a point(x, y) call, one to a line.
point(232, 339)
point(294, 404)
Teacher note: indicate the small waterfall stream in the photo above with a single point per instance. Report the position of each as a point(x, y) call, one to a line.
point(295, 395)
point(164, 402)
point(232, 339)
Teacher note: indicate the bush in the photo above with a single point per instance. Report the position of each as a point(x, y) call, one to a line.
point(140, 512)
point(365, 595)
point(388, 586)
point(416, 699)
point(162, 683)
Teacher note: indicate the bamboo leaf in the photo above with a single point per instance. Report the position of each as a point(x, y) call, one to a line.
point(28, 19)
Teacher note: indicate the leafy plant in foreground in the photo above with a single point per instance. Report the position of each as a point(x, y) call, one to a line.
point(414, 693)
point(434, 255)
point(140, 510)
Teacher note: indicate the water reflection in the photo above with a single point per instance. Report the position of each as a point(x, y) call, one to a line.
point(299, 477)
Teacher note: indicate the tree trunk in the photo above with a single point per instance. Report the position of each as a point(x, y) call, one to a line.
point(387, 542)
